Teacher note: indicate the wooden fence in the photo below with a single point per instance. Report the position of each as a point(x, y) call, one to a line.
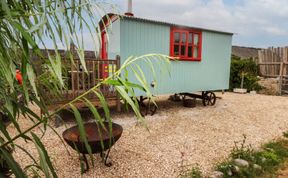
point(273, 63)
point(78, 81)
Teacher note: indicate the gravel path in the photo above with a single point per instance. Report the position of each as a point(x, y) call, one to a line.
point(177, 135)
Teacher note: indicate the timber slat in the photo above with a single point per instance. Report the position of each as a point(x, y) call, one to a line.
point(273, 62)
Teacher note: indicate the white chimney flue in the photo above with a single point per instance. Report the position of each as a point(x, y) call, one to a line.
point(129, 11)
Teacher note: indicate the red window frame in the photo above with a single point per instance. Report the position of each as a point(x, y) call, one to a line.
point(186, 44)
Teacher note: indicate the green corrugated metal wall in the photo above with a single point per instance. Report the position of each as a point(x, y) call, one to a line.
point(212, 73)
point(114, 40)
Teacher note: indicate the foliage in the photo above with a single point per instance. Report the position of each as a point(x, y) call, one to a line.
point(25, 25)
point(189, 171)
point(194, 172)
point(243, 151)
point(285, 134)
point(246, 67)
point(262, 162)
point(4, 166)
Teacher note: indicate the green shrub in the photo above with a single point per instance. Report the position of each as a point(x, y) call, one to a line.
point(194, 172)
point(268, 160)
point(280, 148)
point(242, 151)
point(225, 167)
point(250, 70)
point(285, 134)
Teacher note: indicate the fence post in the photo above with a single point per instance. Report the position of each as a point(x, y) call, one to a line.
point(281, 77)
point(118, 103)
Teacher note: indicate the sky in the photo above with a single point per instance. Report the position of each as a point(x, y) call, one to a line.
point(255, 23)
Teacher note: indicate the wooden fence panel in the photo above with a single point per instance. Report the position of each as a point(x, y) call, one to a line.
point(273, 62)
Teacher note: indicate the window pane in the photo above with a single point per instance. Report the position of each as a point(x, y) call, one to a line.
point(195, 52)
point(190, 38)
point(196, 39)
point(176, 50)
point(183, 50)
point(189, 51)
point(176, 37)
point(183, 38)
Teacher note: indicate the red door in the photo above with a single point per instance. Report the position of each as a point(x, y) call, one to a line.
point(104, 55)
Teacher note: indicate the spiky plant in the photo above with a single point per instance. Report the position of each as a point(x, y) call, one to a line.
point(26, 25)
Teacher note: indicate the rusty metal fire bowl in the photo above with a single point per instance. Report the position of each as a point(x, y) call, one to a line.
point(94, 134)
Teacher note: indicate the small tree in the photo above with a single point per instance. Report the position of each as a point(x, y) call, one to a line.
point(243, 73)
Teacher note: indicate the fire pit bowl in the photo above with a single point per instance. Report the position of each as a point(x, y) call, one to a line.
point(94, 134)
point(72, 137)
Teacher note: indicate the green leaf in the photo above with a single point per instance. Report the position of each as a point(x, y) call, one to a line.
point(39, 25)
point(81, 129)
point(32, 77)
point(17, 171)
point(98, 119)
point(26, 36)
point(59, 137)
point(127, 98)
point(103, 104)
point(120, 83)
point(45, 162)
point(4, 131)
point(27, 153)
point(9, 109)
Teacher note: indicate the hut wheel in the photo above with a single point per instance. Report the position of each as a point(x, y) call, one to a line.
point(209, 99)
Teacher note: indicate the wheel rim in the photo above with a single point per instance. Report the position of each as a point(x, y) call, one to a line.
point(147, 107)
point(153, 109)
point(209, 99)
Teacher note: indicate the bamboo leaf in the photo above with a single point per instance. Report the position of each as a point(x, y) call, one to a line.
point(40, 25)
point(59, 137)
point(45, 162)
point(26, 36)
point(4, 131)
point(103, 104)
point(32, 77)
point(9, 109)
point(12, 163)
point(97, 118)
point(82, 131)
point(120, 83)
point(27, 153)
point(127, 98)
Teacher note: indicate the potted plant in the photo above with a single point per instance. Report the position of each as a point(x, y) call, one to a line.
point(243, 73)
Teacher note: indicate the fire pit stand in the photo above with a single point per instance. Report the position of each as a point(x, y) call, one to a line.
point(84, 161)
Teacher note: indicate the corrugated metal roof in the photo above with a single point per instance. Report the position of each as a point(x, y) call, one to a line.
point(169, 24)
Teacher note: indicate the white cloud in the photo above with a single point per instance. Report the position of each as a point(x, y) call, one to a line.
point(276, 31)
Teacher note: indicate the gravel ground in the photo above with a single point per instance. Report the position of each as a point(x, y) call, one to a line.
point(177, 136)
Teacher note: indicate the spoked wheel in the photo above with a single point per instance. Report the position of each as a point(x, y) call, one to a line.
point(209, 98)
point(146, 107)
point(151, 108)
